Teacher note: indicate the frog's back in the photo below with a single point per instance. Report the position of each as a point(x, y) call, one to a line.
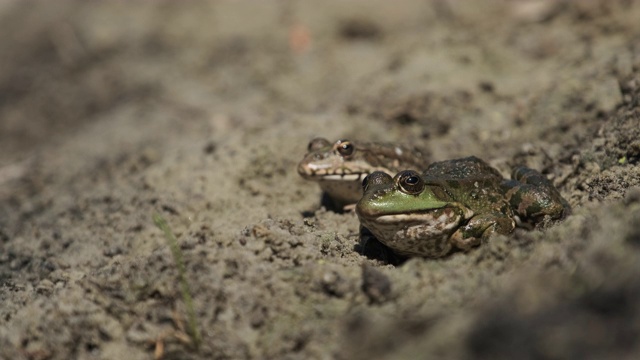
point(469, 181)
point(464, 169)
point(393, 157)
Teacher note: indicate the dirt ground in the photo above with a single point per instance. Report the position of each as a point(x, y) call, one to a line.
point(113, 111)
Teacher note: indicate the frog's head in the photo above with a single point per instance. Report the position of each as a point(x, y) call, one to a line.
point(339, 161)
point(405, 197)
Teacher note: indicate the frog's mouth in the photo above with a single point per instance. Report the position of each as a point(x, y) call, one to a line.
point(344, 177)
point(443, 214)
point(425, 216)
point(326, 175)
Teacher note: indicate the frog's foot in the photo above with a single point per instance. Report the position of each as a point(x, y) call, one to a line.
point(533, 197)
point(365, 238)
point(480, 228)
point(532, 203)
point(336, 205)
point(529, 176)
point(463, 241)
point(349, 208)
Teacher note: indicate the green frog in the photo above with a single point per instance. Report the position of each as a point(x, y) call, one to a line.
point(340, 167)
point(454, 204)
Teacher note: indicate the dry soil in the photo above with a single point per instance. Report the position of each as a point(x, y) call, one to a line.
point(113, 111)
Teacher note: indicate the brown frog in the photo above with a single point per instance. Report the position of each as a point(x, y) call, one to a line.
point(340, 167)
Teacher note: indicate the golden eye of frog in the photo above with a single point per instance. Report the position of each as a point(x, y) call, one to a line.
point(340, 167)
point(454, 204)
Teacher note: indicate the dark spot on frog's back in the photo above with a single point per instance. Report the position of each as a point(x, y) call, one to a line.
point(453, 184)
point(441, 193)
point(494, 198)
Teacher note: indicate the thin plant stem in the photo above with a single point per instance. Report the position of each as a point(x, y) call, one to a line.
point(161, 223)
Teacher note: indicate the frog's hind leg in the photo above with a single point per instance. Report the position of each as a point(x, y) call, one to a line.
point(480, 228)
point(532, 196)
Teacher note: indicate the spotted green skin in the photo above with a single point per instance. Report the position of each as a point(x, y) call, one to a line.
point(340, 174)
point(463, 202)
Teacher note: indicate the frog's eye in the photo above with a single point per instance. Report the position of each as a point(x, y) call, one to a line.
point(345, 147)
point(317, 144)
point(410, 182)
point(375, 178)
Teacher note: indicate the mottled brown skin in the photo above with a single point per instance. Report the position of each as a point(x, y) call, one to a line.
point(340, 167)
point(533, 197)
point(454, 204)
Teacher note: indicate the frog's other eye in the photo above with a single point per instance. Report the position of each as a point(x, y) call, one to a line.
point(345, 147)
point(410, 182)
point(375, 178)
point(317, 144)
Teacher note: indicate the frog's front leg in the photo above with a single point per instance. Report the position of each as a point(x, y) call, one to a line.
point(532, 196)
point(481, 227)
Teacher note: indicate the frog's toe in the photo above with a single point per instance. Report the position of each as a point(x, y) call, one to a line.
point(533, 203)
point(480, 228)
point(529, 176)
point(463, 241)
point(543, 205)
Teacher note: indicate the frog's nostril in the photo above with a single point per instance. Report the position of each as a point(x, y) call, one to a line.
point(379, 193)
